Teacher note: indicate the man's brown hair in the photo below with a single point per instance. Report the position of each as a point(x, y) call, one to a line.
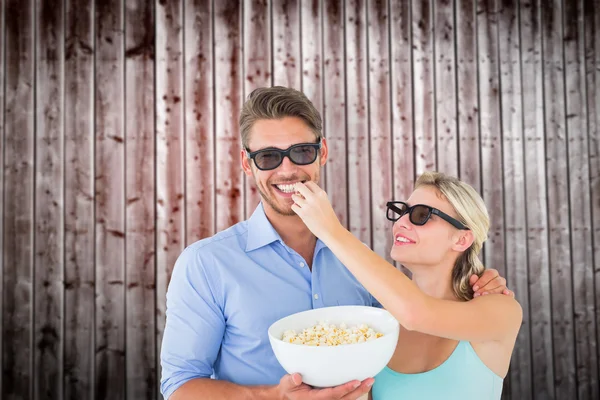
point(275, 103)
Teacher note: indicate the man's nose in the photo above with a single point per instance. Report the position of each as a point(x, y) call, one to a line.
point(287, 164)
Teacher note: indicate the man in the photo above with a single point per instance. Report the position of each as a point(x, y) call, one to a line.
point(228, 289)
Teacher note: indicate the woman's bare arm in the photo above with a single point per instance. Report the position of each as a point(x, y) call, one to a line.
point(485, 318)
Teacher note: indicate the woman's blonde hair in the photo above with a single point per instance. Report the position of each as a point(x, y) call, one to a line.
point(471, 211)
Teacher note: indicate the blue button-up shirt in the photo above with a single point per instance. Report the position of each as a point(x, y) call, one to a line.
point(228, 289)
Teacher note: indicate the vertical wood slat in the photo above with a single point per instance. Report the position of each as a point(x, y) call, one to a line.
point(491, 139)
point(286, 43)
point(468, 107)
point(558, 201)
point(514, 190)
point(423, 84)
point(334, 109)
point(445, 86)
point(311, 24)
point(140, 206)
point(537, 211)
point(491, 134)
point(199, 141)
point(592, 67)
point(380, 124)
point(467, 59)
point(401, 85)
point(579, 199)
point(228, 101)
point(170, 148)
point(49, 217)
point(257, 69)
point(18, 223)
point(2, 166)
point(79, 200)
point(357, 99)
point(199, 124)
point(401, 103)
point(109, 168)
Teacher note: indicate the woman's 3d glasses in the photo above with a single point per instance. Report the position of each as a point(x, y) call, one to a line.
point(419, 214)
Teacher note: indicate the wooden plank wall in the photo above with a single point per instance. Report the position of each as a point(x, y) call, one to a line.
point(591, 23)
point(514, 183)
point(140, 183)
point(109, 200)
point(119, 146)
point(79, 139)
point(19, 223)
point(48, 290)
point(538, 272)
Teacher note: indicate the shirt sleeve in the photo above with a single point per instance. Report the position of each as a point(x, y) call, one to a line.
point(375, 302)
point(194, 323)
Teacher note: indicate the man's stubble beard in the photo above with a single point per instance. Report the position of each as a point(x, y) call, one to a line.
point(271, 200)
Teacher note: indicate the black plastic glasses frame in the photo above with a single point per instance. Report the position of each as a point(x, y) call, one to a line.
point(391, 206)
point(284, 153)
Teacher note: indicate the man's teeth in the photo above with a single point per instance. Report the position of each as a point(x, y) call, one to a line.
point(287, 188)
point(402, 239)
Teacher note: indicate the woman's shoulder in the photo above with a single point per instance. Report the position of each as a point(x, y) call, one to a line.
point(501, 302)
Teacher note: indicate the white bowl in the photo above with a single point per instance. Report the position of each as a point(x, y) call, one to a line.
point(336, 365)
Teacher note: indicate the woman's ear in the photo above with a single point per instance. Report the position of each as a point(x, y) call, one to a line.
point(463, 240)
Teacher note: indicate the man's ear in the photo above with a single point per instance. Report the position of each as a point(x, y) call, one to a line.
point(324, 151)
point(246, 163)
point(463, 240)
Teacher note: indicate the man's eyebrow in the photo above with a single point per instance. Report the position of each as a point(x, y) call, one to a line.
point(264, 148)
point(278, 148)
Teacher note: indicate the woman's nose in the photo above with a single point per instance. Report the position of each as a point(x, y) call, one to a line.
point(404, 221)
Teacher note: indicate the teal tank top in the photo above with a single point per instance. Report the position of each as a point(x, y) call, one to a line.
point(463, 376)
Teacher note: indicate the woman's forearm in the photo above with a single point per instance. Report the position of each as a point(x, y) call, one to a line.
point(394, 290)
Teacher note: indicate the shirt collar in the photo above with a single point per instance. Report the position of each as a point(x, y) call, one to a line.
point(260, 230)
point(261, 233)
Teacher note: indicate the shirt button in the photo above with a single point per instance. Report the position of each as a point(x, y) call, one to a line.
point(316, 296)
point(301, 264)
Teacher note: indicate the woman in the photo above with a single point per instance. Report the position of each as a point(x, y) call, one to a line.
point(448, 347)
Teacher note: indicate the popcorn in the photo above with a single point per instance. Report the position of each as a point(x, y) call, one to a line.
point(324, 334)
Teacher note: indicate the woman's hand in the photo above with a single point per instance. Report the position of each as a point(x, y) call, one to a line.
point(313, 207)
point(490, 282)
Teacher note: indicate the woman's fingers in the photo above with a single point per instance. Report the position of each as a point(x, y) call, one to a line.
point(303, 189)
point(296, 208)
point(313, 187)
point(473, 279)
point(487, 276)
point(299, 200)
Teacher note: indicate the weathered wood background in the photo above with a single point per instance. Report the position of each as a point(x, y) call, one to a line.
point(119, 146)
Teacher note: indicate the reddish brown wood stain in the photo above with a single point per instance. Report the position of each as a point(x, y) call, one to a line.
point(140, 274)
